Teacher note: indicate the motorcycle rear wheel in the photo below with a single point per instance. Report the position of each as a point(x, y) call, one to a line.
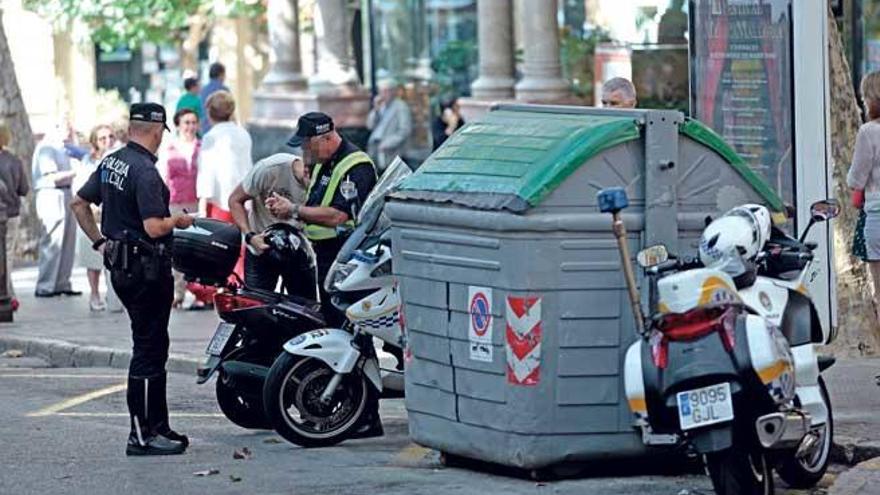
point(291, 398)
point(242, 409)
point(740, 471)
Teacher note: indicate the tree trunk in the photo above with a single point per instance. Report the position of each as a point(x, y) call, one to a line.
point(857, 323)
point(189, 49)
point(13, 112)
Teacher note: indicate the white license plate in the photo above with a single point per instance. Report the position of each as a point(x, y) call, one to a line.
point(218, 342)
point(705, 406)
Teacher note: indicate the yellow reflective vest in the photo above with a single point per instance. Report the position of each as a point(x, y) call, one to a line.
point(317, 232)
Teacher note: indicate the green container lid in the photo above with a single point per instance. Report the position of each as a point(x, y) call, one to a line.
point(513, 159)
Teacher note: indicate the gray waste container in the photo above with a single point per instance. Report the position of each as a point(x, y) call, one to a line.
point(515, 305)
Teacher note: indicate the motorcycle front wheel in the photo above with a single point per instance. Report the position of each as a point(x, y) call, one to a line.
point(292, 399)
point(739, 471)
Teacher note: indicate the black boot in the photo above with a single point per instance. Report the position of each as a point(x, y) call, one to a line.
point(144, 438)
point(159, 410)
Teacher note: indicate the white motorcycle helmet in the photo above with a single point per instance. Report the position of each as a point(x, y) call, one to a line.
point(741, 232)
point(760, 215)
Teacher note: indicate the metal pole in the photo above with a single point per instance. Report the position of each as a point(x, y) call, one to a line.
point(629, 273)
point(858, 40)
point(372, 30)
point(5, 299)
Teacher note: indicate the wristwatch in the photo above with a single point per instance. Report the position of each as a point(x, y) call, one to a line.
point(294, 211)
point(100, 242)
point(248, 237)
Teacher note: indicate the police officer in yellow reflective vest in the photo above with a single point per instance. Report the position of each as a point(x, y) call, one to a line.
point(342, 177)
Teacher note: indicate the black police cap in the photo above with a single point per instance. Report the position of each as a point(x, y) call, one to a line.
point(310, 125)
point(148, 112)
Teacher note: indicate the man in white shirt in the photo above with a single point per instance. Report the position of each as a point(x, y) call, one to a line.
point(52, 177)
point(224, 158)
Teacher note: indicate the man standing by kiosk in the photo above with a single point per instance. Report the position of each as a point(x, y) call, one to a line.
point(135, 239)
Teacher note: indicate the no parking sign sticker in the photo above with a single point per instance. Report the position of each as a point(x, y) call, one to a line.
point(480, 323)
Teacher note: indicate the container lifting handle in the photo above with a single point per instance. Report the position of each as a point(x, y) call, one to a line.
point(613, 200)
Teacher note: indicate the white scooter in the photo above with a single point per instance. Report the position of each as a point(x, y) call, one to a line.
point(726, 368)
point(321, 390)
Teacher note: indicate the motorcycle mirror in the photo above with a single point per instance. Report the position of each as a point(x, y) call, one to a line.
point(653, 256)
point(825, 210)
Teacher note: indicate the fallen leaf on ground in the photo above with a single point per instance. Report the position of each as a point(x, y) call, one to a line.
point(207, 472)
point(243, 453)
point(13, 353)
point(272, 440)
point(233, 478)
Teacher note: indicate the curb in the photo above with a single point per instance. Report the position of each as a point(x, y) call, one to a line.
point(860, 480)
point(852, 451)
point(63, 354)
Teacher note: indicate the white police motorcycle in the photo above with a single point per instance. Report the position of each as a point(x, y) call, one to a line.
point(319, 390)
point(726, 365)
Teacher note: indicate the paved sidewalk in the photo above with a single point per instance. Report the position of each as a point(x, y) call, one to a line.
point(60, 328)
point(863, 479)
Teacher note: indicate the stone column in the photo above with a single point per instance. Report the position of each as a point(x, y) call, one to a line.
point(496, 50)
point(336, 70)
point(542, 73)
point(286, 72)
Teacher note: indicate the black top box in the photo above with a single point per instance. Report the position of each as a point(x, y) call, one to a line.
point(207, 251)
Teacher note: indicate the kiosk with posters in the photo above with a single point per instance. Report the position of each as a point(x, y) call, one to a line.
point(759, 78)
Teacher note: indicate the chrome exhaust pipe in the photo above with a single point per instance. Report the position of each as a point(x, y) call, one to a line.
point(808, 445)
point(782, 430)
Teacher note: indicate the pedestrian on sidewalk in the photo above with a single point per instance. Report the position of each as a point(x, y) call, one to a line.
point(52, 177)
point(390, 125)
point(224, 160)
point(179, 167)
point(217, 76)
point(13, 176)
point(190, 98)
point(449, 121)
point(864, 177)
point(619, 92)
point(135, 239)
point(101, 140)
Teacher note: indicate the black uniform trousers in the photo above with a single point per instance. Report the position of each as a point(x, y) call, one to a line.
point(148, 303)
point(325, 254)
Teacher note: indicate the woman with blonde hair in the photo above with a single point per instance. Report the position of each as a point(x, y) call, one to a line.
point(101, 141)
point(864, 176)
point(13, 177)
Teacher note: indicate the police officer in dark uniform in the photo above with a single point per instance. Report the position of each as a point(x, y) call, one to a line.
point(342, 177)
point(135, 238)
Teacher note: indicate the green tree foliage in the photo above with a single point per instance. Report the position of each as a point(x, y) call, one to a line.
point(114, 23)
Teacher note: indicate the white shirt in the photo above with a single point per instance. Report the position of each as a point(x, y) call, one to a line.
point(224, 160)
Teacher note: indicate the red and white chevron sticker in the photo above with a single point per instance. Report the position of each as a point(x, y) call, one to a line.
point(523, 340)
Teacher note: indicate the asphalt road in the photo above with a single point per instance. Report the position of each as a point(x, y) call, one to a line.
point(64, 430)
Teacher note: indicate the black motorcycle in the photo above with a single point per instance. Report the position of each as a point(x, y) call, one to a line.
point(255, 323)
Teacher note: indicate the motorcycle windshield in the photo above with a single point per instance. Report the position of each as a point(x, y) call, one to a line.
point(372, 221)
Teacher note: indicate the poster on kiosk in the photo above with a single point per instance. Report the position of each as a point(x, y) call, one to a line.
point(759, 72)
